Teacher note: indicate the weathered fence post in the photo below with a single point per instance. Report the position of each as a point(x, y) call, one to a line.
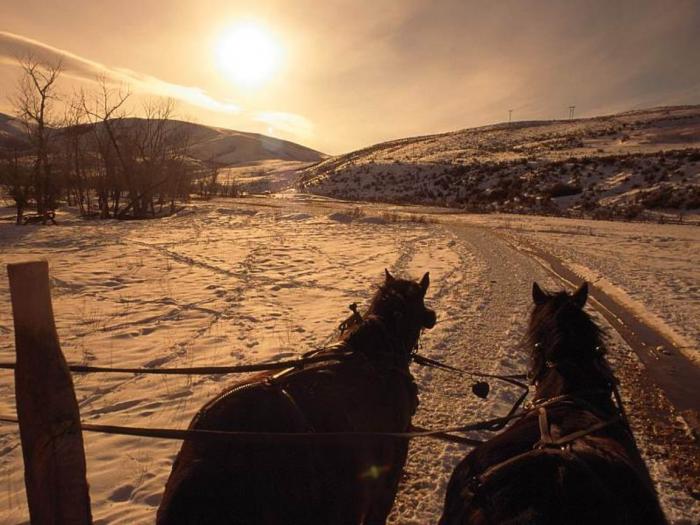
point(49, 419)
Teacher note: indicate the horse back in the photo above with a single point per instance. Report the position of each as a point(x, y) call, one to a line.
point(329, 480)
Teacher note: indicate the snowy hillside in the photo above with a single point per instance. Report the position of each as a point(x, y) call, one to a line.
point(227, 146)
point(616, 165)
point(263, 176)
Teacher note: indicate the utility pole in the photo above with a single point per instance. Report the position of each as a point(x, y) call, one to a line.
point(571, 112)
point(510, 115)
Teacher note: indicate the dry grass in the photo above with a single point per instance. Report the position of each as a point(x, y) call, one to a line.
point(394, 217)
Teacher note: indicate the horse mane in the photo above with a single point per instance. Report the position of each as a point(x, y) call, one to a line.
point(560, 330)
point(390, 296)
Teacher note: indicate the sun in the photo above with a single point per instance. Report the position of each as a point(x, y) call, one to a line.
point(248, 54)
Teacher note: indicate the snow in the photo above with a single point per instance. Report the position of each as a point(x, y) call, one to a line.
point(263, 175)
point(225, 284)
point(517, 167)
point(650, 268)
point(239, 281)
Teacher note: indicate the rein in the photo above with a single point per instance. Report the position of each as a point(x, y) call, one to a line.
point(513, 379)
point(443, 434)
point(208, 370)
point(338, 352)
point(168, 433)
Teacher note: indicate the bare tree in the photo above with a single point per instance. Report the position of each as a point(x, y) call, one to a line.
point(106, 111)
point(144, 161)
point(207, 180)
point(152, 147)
point(158, 148)
point(16, 179)
point(34, 102)
point(76, 165)
point(180, 170)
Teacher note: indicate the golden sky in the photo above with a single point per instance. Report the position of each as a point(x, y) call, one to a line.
point(348, 74)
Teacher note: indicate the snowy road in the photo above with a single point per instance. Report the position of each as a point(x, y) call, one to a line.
point(488, 297)
point(494, 301)
point(241, 281)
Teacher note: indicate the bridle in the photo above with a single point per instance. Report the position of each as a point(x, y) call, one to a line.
point(578, 399)
point(397, 346)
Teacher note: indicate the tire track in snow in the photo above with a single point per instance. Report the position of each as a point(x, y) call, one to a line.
point(658, 394)
point(484, 302)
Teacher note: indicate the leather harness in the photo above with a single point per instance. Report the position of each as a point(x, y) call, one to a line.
point(547, 444)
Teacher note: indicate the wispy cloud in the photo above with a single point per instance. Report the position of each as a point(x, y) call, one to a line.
point(286, 122)
point(14, 46)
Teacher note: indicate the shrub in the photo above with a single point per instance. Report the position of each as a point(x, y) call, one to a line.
point(562, 189)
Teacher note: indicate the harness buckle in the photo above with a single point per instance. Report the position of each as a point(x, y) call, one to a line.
point(353, 320)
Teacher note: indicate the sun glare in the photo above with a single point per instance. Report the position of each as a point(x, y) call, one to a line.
point(248, 54)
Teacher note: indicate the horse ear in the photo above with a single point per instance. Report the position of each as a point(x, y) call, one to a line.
point(581, 295)
point(538, 296)
point(389, 277)
point(425, 282)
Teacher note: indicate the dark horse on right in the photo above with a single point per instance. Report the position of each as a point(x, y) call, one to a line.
point(572, 459)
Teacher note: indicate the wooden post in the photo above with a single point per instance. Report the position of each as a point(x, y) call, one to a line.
point(49, 419)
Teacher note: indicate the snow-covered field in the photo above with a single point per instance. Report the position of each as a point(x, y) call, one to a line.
point(240, 281)
point(216, 285)
point(262, 176)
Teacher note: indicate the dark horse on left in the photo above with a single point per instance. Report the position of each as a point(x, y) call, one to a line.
point(344, 479)
point(572, 459)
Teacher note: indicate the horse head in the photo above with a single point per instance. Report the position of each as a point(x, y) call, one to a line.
point(399, 307)
point(561, 336)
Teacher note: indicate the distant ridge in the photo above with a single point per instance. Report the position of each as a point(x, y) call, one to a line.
point(11, 132)
point(220, 145)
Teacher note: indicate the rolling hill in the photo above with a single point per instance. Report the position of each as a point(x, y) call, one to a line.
point(11, 132)
point(224, 146)
point(611, 165)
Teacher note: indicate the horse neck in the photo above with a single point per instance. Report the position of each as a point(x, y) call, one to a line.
point(379, 340)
